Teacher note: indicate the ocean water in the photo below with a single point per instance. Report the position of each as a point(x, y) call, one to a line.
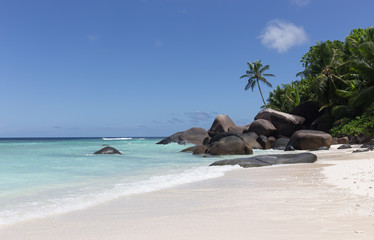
point(42, 177)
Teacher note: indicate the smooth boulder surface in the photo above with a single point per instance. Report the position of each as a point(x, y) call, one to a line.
point(286, 124)
point(280, 143)
point(249, 138)
point(264, 142)
point(267, 160)
point(309, 140)
point(221, 124)
point(108, 150)
point(262, 127)
point(193, 135)
point(200, 149)
point(231, 145)
point(237, 129)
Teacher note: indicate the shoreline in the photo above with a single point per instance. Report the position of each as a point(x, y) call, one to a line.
point(299, 201)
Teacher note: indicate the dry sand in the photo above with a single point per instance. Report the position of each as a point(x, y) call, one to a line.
point(330, 199)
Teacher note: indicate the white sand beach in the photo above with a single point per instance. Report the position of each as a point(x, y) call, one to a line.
point(330, 199)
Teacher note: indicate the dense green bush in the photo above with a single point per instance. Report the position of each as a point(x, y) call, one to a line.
point(360, 126)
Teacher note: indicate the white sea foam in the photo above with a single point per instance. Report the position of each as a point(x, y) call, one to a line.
point(117, 139)
point(77, 201)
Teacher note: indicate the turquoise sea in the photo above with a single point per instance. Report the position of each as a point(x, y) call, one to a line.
point(42, 177)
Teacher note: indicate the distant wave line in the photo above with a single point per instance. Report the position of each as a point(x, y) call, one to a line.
point(116, 139)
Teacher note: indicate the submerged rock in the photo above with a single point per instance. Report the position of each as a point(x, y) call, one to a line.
point(108, 150)
point(267, 160)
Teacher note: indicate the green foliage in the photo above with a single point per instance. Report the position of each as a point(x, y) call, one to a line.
point(360, 126)
point(338, 76)
point(284, 99)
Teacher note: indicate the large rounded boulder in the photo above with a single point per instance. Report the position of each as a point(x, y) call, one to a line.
point(222, 123)
point(193, 135)
point(230, 145)
point(238, 129)
point(250, 139)
point(262, 127)
point(286, 124)
point(309, 140)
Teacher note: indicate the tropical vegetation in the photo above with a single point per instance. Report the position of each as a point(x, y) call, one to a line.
point(338, 77)
point(255, 75)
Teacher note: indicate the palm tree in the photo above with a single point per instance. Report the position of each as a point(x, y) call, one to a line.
point(255, 75)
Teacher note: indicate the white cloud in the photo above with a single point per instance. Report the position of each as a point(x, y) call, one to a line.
point(300, 2)
point(282, 35)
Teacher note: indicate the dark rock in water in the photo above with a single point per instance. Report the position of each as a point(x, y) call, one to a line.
point(231, 145)
point(308, 110)
point(189, 149)
point(264, 142)
point(263, 127)
point(345, 146)
point(221, 124)
point(200, 149)
point(196, 149)
point(286, 124)
point(193, 135)
point(309, 140)
point(267, 160)
point(108, 150)
point(280, 143)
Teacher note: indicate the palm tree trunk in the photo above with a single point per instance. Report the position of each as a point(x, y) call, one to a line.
point(259, 88)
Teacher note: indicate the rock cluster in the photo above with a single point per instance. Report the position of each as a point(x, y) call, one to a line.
point(270, 129)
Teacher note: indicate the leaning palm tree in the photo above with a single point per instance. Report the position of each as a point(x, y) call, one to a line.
point(255, 75)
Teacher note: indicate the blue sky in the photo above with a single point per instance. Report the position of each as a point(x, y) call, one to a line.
point(151, 67)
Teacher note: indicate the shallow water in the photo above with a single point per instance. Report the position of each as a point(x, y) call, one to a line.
point(41, 177)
